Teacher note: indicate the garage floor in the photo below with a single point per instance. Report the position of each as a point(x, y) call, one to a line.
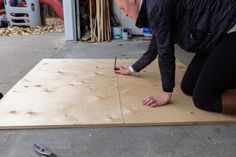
point(20, 54)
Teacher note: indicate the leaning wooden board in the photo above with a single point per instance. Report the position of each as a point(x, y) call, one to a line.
point(78, 93)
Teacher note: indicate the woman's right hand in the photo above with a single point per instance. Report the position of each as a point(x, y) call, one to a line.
point(159, 100)
point(122, 70)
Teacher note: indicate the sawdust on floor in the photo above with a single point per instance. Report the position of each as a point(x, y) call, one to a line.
point(53, 25)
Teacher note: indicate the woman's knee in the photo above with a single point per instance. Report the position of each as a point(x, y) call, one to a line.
point(202, 105)
point(186, 89)
point(206, 104)
point(212, 105)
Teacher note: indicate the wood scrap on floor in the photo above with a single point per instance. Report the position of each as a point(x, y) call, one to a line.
point(53, 25)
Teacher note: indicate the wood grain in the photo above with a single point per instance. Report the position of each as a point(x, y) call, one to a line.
point(63, 93)
point(133, 90)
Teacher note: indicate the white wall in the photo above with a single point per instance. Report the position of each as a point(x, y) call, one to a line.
point(70, 19)
point(125, 21)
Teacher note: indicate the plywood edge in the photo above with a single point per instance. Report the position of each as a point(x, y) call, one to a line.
point(117, 125)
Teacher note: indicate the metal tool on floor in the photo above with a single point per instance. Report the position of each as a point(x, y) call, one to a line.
point(42, 150)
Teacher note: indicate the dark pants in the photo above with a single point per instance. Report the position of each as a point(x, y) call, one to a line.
point(209, 75)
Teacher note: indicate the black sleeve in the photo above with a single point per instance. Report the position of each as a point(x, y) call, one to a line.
point(162, 22)
point(147, 57)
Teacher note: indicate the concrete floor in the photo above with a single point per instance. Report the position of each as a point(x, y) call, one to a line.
point(20, 54)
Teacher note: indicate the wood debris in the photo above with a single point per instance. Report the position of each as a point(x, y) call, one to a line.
point(53, 25)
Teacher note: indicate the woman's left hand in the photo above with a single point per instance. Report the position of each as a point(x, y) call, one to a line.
point(160, 100)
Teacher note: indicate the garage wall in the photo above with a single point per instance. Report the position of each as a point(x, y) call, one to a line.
point(125, 21)
point(71, 24)
point(70, 19)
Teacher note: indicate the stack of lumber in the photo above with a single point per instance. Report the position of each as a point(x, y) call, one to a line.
point(100, 23)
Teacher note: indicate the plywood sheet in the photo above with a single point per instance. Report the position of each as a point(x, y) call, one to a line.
point(78, 93)
point(63, 93)
point(133, 90)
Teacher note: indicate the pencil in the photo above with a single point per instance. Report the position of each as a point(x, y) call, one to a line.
point(115, 64)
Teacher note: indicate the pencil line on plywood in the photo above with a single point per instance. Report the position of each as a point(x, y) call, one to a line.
point(118, 89)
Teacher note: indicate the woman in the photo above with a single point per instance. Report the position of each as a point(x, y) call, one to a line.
point(205, 27)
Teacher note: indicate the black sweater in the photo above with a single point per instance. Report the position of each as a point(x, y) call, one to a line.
point(195, 25)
